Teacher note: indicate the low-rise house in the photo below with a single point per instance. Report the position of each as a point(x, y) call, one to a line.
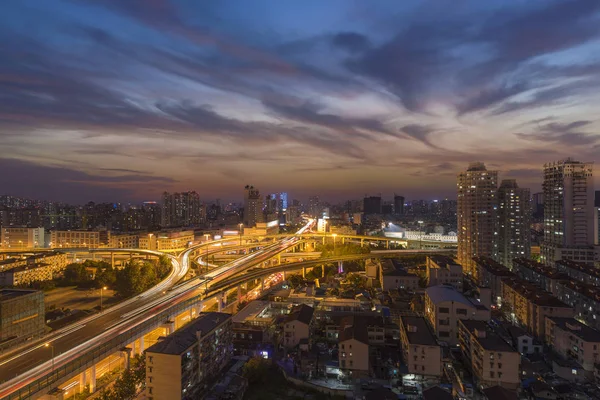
point(297, 325)
point(420, 350)
point(443, 270)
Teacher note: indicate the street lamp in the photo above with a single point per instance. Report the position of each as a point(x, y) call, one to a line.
point(102, 289)
point(241, 227)
point(52, 348)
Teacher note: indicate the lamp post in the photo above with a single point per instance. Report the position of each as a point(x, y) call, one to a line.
point(241, 227)
point(420, 234)
point(102, 289)
point(52, 348)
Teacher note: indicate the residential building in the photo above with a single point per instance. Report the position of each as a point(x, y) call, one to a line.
point(125, 240)
point(443, 270)
point(22, 315)
point(297, 325)
point(445, 306)
point(353, 350)
point(181, 209)
point(166, 241)
point(584, 298)
point(578, 271)
point(263, 228)
point(75, 239)
point(37, 267)
point(490, 274)
point(372, 205)
point(252, 206)
point(568, 212)
point(181, 365)
point(530, 305)
point(476, 215)
point(541, 275)
point(500, 393)
point(524, 342)
point(420, 351)
point(315, 209)
point(13, 238)
point(514, 222)
point(493, 361)
point(574, 341)
point(395, 277)
point(398, 205)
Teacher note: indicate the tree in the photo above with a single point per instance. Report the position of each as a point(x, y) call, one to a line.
point(125, 386)
point(106, 276)
point(138, 368)
point(295, 280)
point(76, 274)
point(256, 370)
point(163, 267)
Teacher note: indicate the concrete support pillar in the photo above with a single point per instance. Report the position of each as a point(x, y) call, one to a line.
point(132, 345)
point(93, 256)
point(322, 271)
point(362, 242)
point(192, 313)
point(239, 293)
point(387, 244)
point(220, 302)
point(142, 345)
point(112, 259)
point(304, 272)
point(262, 284)
point(82, 381)
point(93, 378)
point(343, 240)
point(284, 276)
point(126, 354)
point(170, 327)
point(199, 308)
point(323, 240)
point(279, 259)
point(340, 267)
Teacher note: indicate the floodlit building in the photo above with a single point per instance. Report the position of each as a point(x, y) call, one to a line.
point(183, 364)
point(75, 239)
point(568, 212)
point(166, 241)
point(477, 215)
point(37, 267)
point(21, 238)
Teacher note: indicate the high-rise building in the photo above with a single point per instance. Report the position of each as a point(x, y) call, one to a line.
point(181, 209)
point(372, 205)
point(514, 221)
point(314, 207)
point(568, 212)
point(537, 205)
point(476, 215)
point(398, 205)
point(252, 206)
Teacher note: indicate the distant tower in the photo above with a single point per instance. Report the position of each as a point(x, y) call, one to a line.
point(398, 205)
point(568, 212)
point(252, 206)
point(476, 215)
point(514, 222)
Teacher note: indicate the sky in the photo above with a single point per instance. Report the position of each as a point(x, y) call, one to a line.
point(120, 100)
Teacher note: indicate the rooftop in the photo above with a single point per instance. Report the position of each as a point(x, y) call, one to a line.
point(533, 293)
point(354, 330)
point(442, 261)
point(539, 268)
point(492, 266)
point(586, 269)
point(499, 393)
point(184, 338)
point(9, 294)
point(576, 328)
point(255, 309)
point(444, 293)
point(484, 335)
point(302, 313)
point(436, 393)
point(418, 331)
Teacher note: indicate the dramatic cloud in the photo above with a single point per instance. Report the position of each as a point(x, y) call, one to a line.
point(111, 99)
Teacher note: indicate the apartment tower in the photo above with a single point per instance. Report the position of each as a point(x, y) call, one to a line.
point(514, 221)
point(568, 212)
point(476, 215)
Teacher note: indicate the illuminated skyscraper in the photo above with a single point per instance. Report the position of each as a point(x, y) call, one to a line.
point(514, 222)
point(252, 206)
point(181, 209)
point(476, 215)
point(568, 212)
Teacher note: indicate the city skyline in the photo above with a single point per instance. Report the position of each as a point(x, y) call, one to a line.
point(110, 100)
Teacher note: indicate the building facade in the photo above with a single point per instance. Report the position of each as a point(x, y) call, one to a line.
point(21, 238)
point(75, 239)
point(420, 351)
point(514, 222)
point(22, 314)
point(181, 209)
point(252, 206)
point(297, 325)
point(443, 270)
point(181, 365)
point(476, 215)
point(568, 212)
